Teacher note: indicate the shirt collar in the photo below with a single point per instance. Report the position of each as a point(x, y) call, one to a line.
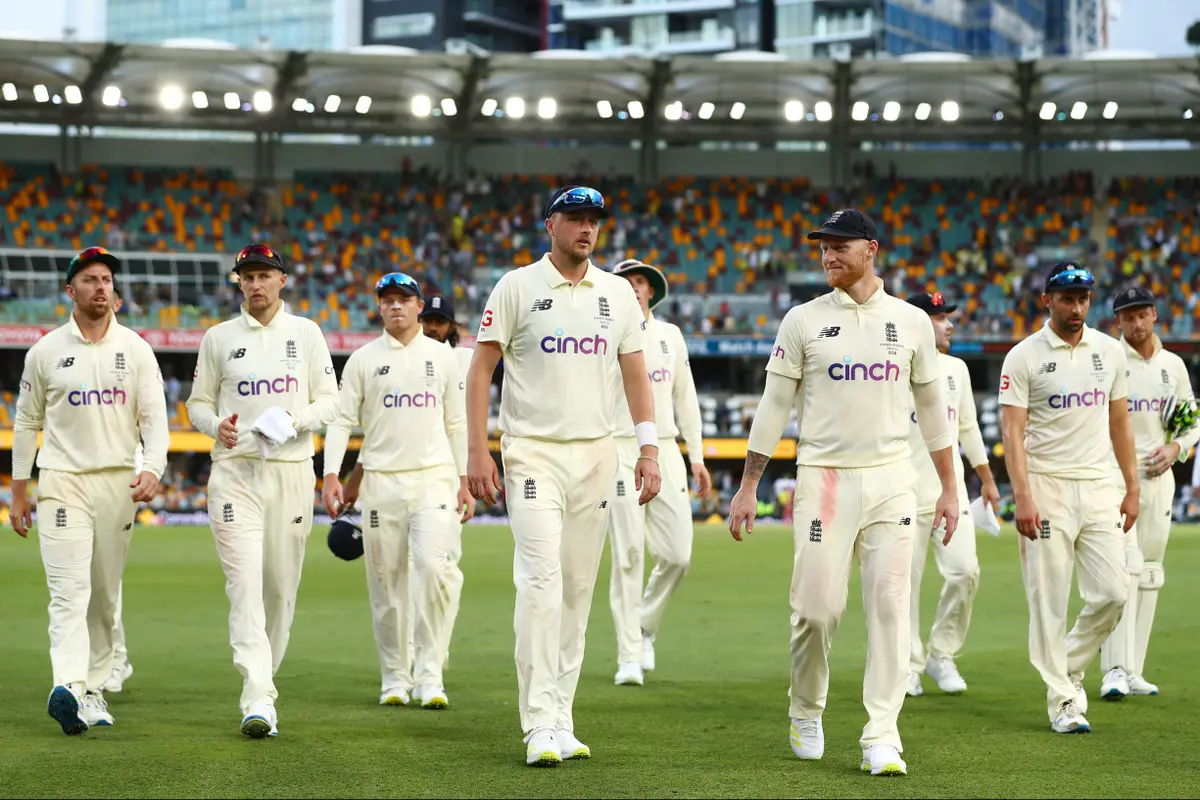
point(555, 278)
point(1057, 342)
point(875, 298)
point(394, 343)
point(1130, 352)
point(73, 326)
point(253, 323)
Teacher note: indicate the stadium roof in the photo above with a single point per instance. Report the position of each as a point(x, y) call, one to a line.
point(581, 97)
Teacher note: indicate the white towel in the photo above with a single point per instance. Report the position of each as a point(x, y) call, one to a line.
point(984, 517)
point(273, 428)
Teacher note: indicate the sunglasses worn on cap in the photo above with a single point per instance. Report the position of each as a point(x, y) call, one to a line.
point(579, 196)
point(398, 280)
point(260, 250)
point(89, 256)
point(1077, 278)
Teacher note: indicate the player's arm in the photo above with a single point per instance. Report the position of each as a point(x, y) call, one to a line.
point(687, 412)
point(1183, 391)
point(1014, 416)
point(151, 405)
point(337, 433)
point(497, 327)
point(640, 396)
point(30, 419)
point(1120, 430)
point(322, 408)
point(971, 439)
point(206, 387)
point(455, 419)
point(929, 397)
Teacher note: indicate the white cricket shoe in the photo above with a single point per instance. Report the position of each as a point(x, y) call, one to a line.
point(116, 679)
point(883, 759)
point(807, 738)
point(629, 673)
point(432, 697)
point(1140, 686)
point(1081, 698)
point(569, 747)
point(541, 749)
point(647, 653)
point(260, 721)
point(1115, 685)
point(395, 696)
point(1070, 719)
point(65, 706)
point(944, 671)
point(915, 689)
point(95, 711)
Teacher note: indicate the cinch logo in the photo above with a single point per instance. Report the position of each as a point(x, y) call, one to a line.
point(951, 415)
point(1095, 397)
point(255, 387)
point(777, 352)
point(1154, 405)
point(588, 345)
point(97, 397)
point(422, 400)
point(660, 375)
point(847, 370)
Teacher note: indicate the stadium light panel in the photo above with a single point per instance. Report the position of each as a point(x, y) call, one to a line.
point(635, 109)
point(859, 111)
point(793, 111)
point(823, 111)
point(706, 110)
point(111, 96)
point(1047, 112)
point(737, 110)
point(949, 111)
point(300, 104)
point(1079, 110)
point(449, 107)
point(232, 101)
point(489, 107)
point(262, 101)
point(514, 107)
point(1187, 113)
point(1110, 110)
point(922, 112)
point(332, 104)
point(363, 105)
point(10, 92)
point(891, 111)
point(170, 97)
point(422, 106)
point(604, 109)
point(547, 107)
point(73, 95)
point(40, 94)
point(673, 111)
point(200, 100)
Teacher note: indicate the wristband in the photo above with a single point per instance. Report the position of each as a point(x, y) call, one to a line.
point(647, 434)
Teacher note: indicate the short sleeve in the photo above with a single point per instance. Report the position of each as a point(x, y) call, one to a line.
point(1014, 380)
point(1120, 384)
point(925, 355)
point(787, 356)
point(634, 323)
point(499, 321)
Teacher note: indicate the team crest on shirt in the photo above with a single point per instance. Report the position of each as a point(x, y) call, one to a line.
point(604, 313)
point(891, 339)
point(120, 369)
point(1166, 378)
point(430, 374)
point(950, 382)
point(291, 355)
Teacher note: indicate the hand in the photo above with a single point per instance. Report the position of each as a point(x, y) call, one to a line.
point(350, 491)
point(743, 508)
point(646, 477)
point(991, 495)
point(483, 478)
point(1028, 520)
point(332, 496)
point(946, 510)
point(19, 514)
point(466, 503)
point(1129, 508)
point(1160, 459)
point(227, 432)
point(145, 487)
point(703, 479)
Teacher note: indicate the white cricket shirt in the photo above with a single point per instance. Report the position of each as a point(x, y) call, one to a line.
point(245, 367)
point(1067, 391)
point(1151, 381)
point(964, 421)
point(94, 403)
point(560, 345)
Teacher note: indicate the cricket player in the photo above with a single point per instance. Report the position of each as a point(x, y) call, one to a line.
point(664, 525)
point(407, 391)
point(1155, 375)
point(564, 328)
point(957, 560)
point(92, 387)
point(264, 383)
point(1062, 399)
point(856, 360)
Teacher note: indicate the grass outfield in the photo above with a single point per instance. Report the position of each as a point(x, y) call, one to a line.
point(711, 721)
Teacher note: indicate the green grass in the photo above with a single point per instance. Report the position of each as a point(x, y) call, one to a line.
point(711, 721)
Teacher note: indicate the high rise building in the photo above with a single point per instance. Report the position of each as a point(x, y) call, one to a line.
point(666, 27)
point(495, 25)
point(267, 24)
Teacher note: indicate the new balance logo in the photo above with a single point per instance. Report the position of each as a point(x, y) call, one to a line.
point(227, 513)
point(290, 351)
point(889, 333)
point(829, 333)
point(604, 504)
point(119, 361)
point(128, 527)
point(1049, 366)
point(1045, 531)
point(297, 520)
point(1097, 362)
point(373, 518)
point(906, 520)
point(542, 305)
point(65, 362)
point(429, 369)
point(530, 489)
point(237, 352)
point(60, 517)
point(814, 531)
point(381, 371)
point(620, 488)
point(602, 304)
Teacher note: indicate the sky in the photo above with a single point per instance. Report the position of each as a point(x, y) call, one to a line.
point(1155, 25)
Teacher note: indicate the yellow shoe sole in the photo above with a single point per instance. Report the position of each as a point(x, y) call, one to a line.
point(581, 753)
point(436, 704)
point(546, 759)
point(394, 701)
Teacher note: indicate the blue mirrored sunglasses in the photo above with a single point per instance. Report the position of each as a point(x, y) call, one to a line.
point(1072, 278)
point(400, 281)
point(580, 195)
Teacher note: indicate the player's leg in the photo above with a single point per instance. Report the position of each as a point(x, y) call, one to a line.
point(591, 467)
point(669, 534)
point(1117, 654)
point(286, 525)
point(113, 510)
point(65, 539)
point(959, 565)
point(884, 552)
point(627, 529)
point(433, 529)
point(825, 527)
point(454, 586)
point(1046, 568)
point(122, 669)
point(1153, 530)
point(385, 527)
point(533, 482)
point(922, 536)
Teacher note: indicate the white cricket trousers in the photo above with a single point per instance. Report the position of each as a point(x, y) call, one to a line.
point(261, 514)
point(839, 514)
point(85, 521)
point(120, 650)
point(1081, 527)
point(1145, 547)
point(558, 496)
point(664, 526)
point(959, 566)
point(410, 513)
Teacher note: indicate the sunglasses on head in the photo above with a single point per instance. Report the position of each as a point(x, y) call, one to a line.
point(398, 280)
point(88, 256)
point(1077, 278)
point(579, 196)
point(256, 250)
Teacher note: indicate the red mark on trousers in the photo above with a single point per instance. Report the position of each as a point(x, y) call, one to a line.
point(829, 489)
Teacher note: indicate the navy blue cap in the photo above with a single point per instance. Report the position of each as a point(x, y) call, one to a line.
point(438, 305)
point(932, 303)
point(1067, 275)
point(345, 539)
point(849, 223)
point(1132, 297)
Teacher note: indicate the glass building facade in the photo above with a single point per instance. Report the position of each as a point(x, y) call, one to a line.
point(667, 27)
point(278, 24)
